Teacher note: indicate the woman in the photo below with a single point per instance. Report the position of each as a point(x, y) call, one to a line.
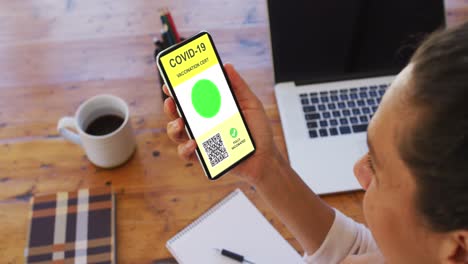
point(415, 173)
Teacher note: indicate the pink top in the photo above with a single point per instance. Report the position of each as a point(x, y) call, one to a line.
point(346, 237)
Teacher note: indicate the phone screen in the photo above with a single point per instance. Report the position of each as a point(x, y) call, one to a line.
point(194, 74)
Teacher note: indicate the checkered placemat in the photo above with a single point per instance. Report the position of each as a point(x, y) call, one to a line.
point(72, 227)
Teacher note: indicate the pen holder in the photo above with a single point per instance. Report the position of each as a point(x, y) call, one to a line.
point(160, 46)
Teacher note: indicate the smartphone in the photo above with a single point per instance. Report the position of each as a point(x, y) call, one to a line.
point(197, 81)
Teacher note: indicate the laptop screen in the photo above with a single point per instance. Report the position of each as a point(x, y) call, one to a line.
point(315, 41)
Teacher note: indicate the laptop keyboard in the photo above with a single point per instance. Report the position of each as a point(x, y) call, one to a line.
point(342, 111)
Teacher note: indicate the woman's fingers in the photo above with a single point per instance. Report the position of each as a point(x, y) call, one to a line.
point(175, 128)
point(176, 131)
point(170, 108)
point(187, 150)
point(166, 90)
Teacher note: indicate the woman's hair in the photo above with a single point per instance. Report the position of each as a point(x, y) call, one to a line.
point(436, 148)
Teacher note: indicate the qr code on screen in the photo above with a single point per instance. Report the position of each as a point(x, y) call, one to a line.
point(215, 150)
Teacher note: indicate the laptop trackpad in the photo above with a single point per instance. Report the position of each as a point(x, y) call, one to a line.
point(326, 165)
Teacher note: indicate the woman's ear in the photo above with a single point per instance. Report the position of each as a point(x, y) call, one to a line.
point(455, 248)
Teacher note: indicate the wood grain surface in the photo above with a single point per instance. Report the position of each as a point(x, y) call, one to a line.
point(56, 54)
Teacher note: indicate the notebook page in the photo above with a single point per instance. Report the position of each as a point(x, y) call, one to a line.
point(234, 224)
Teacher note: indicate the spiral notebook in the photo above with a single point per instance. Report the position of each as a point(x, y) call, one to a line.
point(234, 224)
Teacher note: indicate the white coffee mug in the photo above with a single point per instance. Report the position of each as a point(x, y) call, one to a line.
point(104, 151)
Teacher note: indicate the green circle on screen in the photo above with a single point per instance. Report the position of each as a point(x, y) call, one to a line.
point(206, 98)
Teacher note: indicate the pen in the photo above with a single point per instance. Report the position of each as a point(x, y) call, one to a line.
point(168, 29)
point(233, 256)
point(172, 24)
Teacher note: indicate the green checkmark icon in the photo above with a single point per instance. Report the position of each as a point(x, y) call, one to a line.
point(233, 132)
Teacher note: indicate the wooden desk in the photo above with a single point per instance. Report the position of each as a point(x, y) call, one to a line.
point(55, 54)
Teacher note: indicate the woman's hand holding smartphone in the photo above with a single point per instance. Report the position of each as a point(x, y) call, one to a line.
point(252, 169)
point(216, 108)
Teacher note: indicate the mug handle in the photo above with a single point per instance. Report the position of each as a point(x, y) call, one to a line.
point(62, 127)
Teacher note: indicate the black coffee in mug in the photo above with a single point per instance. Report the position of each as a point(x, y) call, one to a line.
point(104, 125)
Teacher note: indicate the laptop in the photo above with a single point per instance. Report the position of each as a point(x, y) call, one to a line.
point(333, 61)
